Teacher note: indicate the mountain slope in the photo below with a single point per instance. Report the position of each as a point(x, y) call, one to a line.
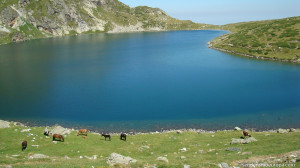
point(272, 39)
point(29, 19)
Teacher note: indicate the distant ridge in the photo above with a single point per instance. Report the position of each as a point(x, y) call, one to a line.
point(22, 20)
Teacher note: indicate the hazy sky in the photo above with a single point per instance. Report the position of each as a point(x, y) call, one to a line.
point(223, 11)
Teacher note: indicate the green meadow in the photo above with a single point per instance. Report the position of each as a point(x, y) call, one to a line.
point(202, 149)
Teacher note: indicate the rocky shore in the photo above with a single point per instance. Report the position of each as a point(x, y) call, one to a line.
point(62, 130)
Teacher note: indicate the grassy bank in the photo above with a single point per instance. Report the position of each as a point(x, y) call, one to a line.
point(270, 39)
point(203, 150)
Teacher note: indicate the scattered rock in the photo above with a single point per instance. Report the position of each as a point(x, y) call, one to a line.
point(55, 142)
point(243, 141)
point(143, 147)
point(237, 129)
point(178, 131)
point(38, 156)
point(186, 166)
point(201, 151)
point(60, 130)
point(183, 150)
point(292, 130)
point(67, 157)
point(26, 130)
point(94, 157)
point(115, 158)
point(211, 150)
point(282, 131)
point(182, 157)
point(80, 157)
point(163, 159)
point(35, 145)
point(4, 124)
point(233, 149)
point(224, 165)
point(247, 153)
point(19, 124)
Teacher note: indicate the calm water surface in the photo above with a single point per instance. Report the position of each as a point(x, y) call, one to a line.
point(144, 81)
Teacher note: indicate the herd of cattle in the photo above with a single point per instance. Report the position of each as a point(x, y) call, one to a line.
point(57, 137)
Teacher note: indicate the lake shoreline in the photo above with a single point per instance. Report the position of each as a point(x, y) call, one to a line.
point(252, 56)
point(8, 124)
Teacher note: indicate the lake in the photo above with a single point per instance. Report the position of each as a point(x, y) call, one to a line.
point(144, 82)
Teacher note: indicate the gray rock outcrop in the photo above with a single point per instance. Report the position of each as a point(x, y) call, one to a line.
point(282, 131)
point(60, 130)
point(115, 158)
point(163, 159)
point(4, 124)
point(38, 156)
point(224, 165)
point(243, 141)
point(237, 129)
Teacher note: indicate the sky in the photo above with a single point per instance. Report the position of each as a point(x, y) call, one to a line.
point(221, 12)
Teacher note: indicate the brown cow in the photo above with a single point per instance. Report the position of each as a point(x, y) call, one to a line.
point(245, 133)
point(82, 131)
point(57, 136)
point(24, 145)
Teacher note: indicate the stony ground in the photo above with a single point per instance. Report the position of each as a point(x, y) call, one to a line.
point(169, 149)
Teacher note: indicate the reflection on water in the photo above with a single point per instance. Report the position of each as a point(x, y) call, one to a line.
point(144, 81)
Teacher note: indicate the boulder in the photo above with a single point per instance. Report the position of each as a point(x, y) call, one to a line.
point(163, 159)
point(115, 158)
point(182, 157)
point(179, 132)
point(60, 130)
point(19, 124)
point(38, 156)
point(282, 131)
point(224, 165)
point(237, 129)
point(243, 141)
point(4, 124)
point(292, 130)
point(26, 130)
point(183, 150)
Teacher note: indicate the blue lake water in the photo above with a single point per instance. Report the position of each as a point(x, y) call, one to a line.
point(144, 81)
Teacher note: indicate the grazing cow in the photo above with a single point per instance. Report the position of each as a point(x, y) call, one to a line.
point(106, 136)
point(123, 136)
point(245, 133)
point(57, 136)
point(46, 132)
point(82, 131)
point(24, 145)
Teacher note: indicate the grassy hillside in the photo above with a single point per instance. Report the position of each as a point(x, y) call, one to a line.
point(203, 150)
point(271, 39)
